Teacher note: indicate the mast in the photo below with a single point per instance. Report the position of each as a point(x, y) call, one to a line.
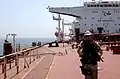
point(59, 29)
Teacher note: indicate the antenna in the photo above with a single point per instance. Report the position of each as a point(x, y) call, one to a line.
point(48, 7)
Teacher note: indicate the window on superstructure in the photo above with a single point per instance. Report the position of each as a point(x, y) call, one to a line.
point(110, 5)
point(118, 18)
point(105, 5)
point(117, 5)
point(91, 24)
point(88, 5)
point(101, 5)
point(85, 18)
point(119, 24)
point(97, 5)
point(85, 24)
point(91, 5)
point(113, 5)
point(110, 18)
point(94, 5)
point(93, 18)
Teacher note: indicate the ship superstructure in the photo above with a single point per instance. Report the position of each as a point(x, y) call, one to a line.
point(97, 16)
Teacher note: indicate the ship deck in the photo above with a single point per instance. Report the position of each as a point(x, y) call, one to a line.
point(63, 65)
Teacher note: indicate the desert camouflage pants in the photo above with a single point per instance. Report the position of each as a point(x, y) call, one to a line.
point(94, 73)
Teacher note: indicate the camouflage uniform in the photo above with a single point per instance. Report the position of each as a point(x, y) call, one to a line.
point(92, 65)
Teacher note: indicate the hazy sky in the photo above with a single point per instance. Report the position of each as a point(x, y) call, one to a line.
point(30, 18)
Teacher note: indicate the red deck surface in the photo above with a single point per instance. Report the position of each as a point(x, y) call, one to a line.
point(67, 66)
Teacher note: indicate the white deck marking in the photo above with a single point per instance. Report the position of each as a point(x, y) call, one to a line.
point(50, 69)
point(32, 68)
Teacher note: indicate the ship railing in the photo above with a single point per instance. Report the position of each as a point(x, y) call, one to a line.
point(7, 61)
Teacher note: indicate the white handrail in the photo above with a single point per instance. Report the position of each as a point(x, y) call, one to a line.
point(20, 52)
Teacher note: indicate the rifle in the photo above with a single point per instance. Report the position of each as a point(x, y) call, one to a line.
point(101, 58)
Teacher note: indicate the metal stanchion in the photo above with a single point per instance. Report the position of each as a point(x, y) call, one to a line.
point(17, 64)
point(66, 51)
point(5, 68)
point(24, 60)
point(37, 52)
point(34, 55)
point(39, 55)
point(30, 57)
point(10, 64)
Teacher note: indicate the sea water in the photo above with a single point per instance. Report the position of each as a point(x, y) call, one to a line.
point(25, 42)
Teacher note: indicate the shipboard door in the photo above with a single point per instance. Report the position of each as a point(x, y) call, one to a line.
point(100, 29)
point(77, 33)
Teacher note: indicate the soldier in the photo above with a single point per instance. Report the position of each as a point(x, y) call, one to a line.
point(90, 53)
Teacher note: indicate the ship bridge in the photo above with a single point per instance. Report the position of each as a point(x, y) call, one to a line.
point(70, 11)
